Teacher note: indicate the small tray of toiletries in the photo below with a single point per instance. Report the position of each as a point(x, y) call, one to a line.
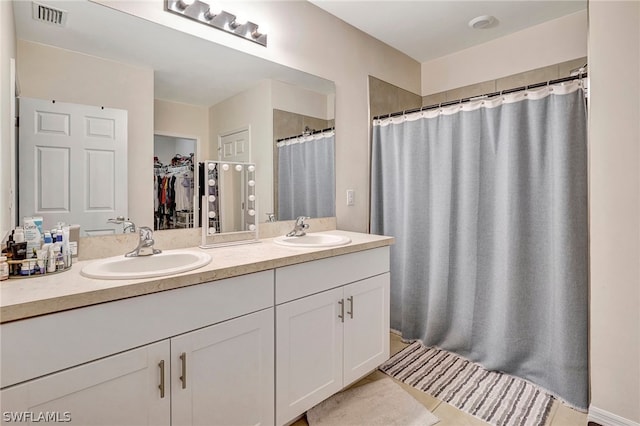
point(33, 268)
point(31, 252)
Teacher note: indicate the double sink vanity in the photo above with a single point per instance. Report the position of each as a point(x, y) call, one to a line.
point(254, 334)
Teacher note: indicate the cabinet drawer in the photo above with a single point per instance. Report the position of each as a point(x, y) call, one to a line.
point(296, 281)
point(38, 346)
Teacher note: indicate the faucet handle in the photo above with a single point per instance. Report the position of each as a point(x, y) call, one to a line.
point(300, 221)
point(146, 233)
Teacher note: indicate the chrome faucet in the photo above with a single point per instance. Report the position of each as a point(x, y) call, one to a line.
point(145, 244)
point(299, 227)
point(128, 226)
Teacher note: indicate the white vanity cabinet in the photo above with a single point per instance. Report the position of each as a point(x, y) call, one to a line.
point(255, 349)
point(332, 327)
point(223, 375)
point(196, 355)
point(121, 389)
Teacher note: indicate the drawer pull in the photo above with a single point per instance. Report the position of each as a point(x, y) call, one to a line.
point(183, 378)
point(350, 312)
point(161, 385)
point(341, 316)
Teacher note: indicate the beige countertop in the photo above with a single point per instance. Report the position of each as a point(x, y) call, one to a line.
point(25, 298)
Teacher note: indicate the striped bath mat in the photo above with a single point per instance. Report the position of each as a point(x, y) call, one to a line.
point(496, 398)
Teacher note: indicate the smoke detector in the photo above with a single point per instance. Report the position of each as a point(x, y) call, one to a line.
point(483, 22)
point(49, 14)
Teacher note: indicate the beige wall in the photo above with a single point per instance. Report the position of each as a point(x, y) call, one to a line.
point(549, 43)
point(385, 98)
point(47, 72)
point(614, 130)
point(182, 120)
point(7, 52)
point(292, 98)
point(538, 75)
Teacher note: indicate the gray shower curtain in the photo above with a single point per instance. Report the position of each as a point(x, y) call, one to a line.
point(488, 205)
point(306, 177)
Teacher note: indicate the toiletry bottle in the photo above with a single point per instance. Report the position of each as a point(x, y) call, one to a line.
point(66, 248)
point(18, 235)
point(58, 249)
point(51, 259)
point(46, 247)
point(4, 268)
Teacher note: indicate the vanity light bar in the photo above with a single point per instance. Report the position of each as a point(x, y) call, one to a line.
point(203, 13)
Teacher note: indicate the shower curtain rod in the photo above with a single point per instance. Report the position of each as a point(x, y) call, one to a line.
point(313, 132)
point(486, 95)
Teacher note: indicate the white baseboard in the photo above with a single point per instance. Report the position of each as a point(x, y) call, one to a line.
point(606, 418)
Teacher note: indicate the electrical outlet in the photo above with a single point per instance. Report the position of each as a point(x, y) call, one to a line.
point(351, 195)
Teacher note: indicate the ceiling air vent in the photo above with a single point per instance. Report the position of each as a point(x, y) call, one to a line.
point(49, 14)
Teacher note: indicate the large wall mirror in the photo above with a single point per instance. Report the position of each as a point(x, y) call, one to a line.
point(179, 88)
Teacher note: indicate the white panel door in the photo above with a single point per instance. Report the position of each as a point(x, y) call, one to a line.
point(73, 164)
point(235, 147)
point(366, 326)
point(123, 389)
point(309, 347)
point(223, 374)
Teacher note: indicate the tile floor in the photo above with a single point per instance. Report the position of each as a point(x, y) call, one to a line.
point(560, 415)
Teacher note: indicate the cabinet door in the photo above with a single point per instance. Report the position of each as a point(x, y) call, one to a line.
point(118, 390)
point(309, 348)
point(223, 374)
point(366, 326)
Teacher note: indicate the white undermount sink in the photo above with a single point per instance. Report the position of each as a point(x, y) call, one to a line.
point(313, 240)
point(157, 265)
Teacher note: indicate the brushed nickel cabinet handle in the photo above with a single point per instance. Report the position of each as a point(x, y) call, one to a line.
point(183, 378)
point(341, 316)
point(350, 312)
point(161, 385)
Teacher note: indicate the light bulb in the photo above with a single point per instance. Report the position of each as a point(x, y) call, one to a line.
point(252, 212)
point(252, 227)
point(225, 167)
point(239, 167)
point(183, 4)
point(252, 197)
point(251, 183)
point(211, 13)
point(212, 214)
point(212, 198)
point(212, 182)
point(212, 230)
point(251, 168)
point(211, 166)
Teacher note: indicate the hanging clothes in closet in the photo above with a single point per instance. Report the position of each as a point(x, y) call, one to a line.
point(173, 189)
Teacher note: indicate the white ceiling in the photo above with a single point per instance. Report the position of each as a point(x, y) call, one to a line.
point(428, 29)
